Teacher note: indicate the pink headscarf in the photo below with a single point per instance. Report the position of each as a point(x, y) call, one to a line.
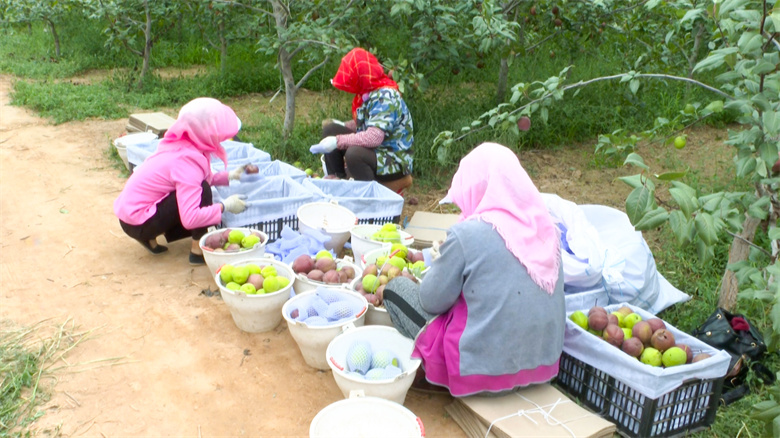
point(490, 185)
point(203, 124)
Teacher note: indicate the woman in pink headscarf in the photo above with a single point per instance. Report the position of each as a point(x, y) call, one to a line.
point(170, 193)
point(489, 316)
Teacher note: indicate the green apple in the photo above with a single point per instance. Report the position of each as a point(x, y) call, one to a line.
point(652, 357)
point(580, 319)
point(389, 227)
point(236, 236)
point(689, 109)
point(323, 253)
point(271, 284)
point(627, 333)
point(240, 274)
point(232, 285)
point(248, 288)
point(309, 171)
point(679, 142)
point(630, 320)
point(250, 241)
point(403, 251)
point(620, 318)
point(297, 164)
point(370, 283)
point(253, 268)
point(226, 273)
point(674, 356)
point(268, 271)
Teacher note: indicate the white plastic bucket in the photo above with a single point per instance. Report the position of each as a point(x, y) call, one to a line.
point(375, 315)
point(121, 143)
point(215, 260)
point(121, 150)
point(257, 313)
point(371, 257)
point(362, 242)
point(330, 218)
point(360, 416)
point(379, 337)
point(303, 284)
point(314, 340)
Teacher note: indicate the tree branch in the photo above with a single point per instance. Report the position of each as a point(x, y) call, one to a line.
point(340, 16)
point(601, 79)
point(737, 236)
point(312, 70)
point(251, 8)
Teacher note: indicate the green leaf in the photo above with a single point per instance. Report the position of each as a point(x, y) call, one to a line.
point(759, 209)
point(745, 166)
point(715, 106)
point(767, 415)
point(637, 203)
point(652, 219)
point(705, 228)
point(712, 201)
point(764, 405)
point(636, 160)
point(634, 85)
point(775, 17)
point(686, 202)
point(774, 233)
point(671, 176)
point(689, 191)
point(638, 180)
point(681, 227)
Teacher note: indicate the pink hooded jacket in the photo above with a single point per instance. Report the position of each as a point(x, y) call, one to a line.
point(181, 164)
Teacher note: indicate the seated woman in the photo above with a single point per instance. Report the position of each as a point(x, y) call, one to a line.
point(489, 316)
point(377, 143)
point(171, 193)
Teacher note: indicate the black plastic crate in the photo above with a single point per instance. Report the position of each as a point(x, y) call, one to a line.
point(688, 408)
point(379, 220)
point(272, 228)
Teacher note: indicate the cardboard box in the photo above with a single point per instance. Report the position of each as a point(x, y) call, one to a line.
point(157, 123)
point(427, 227)
point(535, 411)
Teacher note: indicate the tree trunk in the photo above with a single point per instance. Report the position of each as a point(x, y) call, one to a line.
point(740, 248)
point(147, 43)
point(285, 67)
point(503, 77)
point(56, 38)
point(223, 49)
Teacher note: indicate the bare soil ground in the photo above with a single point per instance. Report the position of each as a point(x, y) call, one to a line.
point(163, 359)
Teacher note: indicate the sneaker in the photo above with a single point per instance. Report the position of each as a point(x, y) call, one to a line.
point(197, 259)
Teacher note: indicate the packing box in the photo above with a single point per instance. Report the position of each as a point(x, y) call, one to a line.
point(427, 227)
point(157, 123)
point(535, 411)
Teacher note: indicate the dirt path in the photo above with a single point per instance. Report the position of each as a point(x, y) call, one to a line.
point(180, 366)
point(183, 369)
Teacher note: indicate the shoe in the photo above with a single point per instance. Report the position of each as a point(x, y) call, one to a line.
point(159, 249)
point(197, 259)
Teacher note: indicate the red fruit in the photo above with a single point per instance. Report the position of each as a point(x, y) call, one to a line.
point(331, 277)
point(613, 319)
point(533, 10)
point(633, 347)
point(524, 123)
point(555, 10)
point(614, 335)
point(656, 324)
point(662, 340)
point(557, 22)
point(256, 280)
point(700, 357)
point(598, 321)
point(325, 264)
point(303, 264)
point(315, 274)
point(643, 332)
point(251, 168)
point(597, 309)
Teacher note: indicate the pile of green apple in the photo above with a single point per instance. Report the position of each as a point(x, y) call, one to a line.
point(323, 268)
point(252, 279)
point(377, 275)
point(415, 262)
point(388, 233)
point(229, 240)
point(649, 341)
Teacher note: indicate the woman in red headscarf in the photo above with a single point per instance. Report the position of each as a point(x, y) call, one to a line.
point(377, 143)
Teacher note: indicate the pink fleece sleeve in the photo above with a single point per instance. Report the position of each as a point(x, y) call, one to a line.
point(351, 125)
point(187, 182)
point(220, 179)
point(370, 138)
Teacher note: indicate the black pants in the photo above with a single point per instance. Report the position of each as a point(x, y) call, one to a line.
point(357, 162)
point(167, 221)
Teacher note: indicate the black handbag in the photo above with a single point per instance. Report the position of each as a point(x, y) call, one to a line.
point(735, 334)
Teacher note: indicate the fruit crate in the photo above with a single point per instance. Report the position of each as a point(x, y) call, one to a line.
point(640, 399)
point(371, 202)
point(272, 204)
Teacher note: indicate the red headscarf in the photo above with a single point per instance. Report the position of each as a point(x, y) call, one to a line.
point(360, 73)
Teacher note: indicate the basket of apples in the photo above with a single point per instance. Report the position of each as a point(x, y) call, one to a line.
point(323, 270)
point(231, 245)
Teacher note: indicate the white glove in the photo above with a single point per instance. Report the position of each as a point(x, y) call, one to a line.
point(431, 254)
point(235, 174)
point(327, 145)
point(234, 204)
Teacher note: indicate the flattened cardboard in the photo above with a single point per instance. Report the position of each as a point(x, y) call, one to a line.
point(566, 418)
point(427, 227)
point(157, 123)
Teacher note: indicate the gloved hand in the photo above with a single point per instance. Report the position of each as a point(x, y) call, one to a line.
point(327, 145)
point(234, 204)
point(235, 174)
point(432, 253)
